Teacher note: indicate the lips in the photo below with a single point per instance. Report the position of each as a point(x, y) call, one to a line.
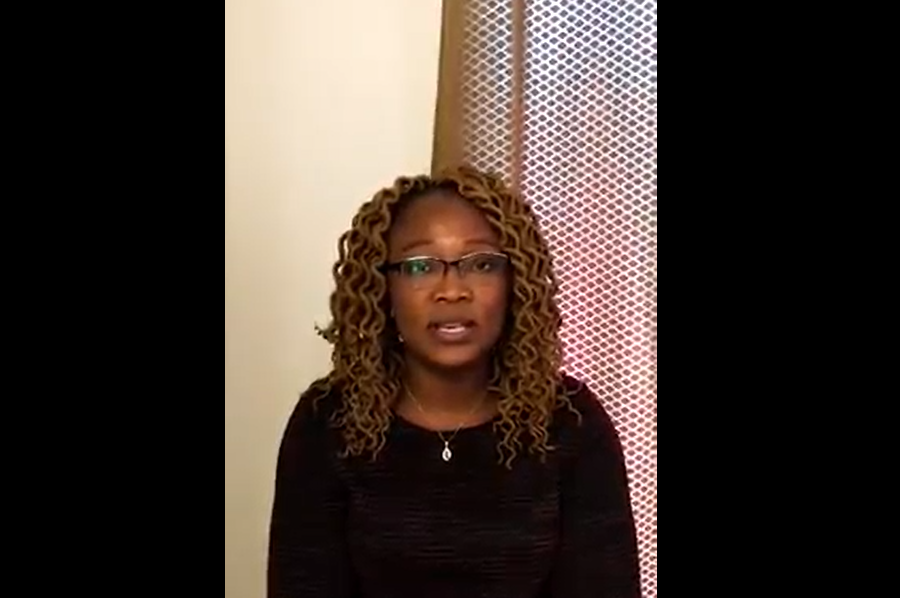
point(452, 323)
point(453, 330)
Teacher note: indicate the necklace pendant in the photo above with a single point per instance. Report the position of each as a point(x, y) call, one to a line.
point(448, 454)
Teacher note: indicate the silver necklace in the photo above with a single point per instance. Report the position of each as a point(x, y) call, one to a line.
point(447, 455)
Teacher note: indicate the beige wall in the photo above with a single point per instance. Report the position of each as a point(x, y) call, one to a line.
point(325, 102)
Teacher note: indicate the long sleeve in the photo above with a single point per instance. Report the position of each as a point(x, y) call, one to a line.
point(598, 556)
point(308, 556)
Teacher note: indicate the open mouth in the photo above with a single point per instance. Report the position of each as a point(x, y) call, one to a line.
point(452, 328)
point(453, 331)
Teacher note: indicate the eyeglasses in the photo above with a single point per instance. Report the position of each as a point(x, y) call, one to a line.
point(484, 266)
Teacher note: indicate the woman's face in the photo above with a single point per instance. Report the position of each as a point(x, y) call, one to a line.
point(448, 319)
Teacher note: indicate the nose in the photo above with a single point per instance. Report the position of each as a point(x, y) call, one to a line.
point(453, 287)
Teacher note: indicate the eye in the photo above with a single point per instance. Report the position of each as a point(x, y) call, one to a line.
point(486, 264)
point(418, 268)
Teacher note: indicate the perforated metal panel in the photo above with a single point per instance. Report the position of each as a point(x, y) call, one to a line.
point(586, 158)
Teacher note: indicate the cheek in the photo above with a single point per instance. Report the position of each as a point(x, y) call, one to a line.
point(495, 305)
point(407, 305)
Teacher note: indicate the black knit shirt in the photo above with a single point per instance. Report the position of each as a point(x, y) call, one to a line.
point(411, 525)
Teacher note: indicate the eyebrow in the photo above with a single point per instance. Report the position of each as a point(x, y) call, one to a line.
point(470, 243)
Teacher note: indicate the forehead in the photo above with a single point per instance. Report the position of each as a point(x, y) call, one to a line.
point(441, 218)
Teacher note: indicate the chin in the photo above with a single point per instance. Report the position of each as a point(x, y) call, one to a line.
point(455, 358)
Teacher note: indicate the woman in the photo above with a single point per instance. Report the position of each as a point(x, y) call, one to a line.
point(446, 455)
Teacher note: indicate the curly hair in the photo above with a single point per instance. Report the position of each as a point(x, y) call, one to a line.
point(367, 357)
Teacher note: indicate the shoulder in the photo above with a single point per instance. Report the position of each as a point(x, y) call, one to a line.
point(313, 414)
point(309, 446)
point(585, 419)
point(585, 402)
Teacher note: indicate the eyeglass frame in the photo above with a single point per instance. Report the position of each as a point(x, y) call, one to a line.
point(396, 267)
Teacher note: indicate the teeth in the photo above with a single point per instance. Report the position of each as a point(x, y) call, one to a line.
point(453, 328)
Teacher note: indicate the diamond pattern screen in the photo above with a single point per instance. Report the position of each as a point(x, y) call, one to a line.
point(561, 96)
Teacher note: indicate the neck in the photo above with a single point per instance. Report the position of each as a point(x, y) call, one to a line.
point(447, 392)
